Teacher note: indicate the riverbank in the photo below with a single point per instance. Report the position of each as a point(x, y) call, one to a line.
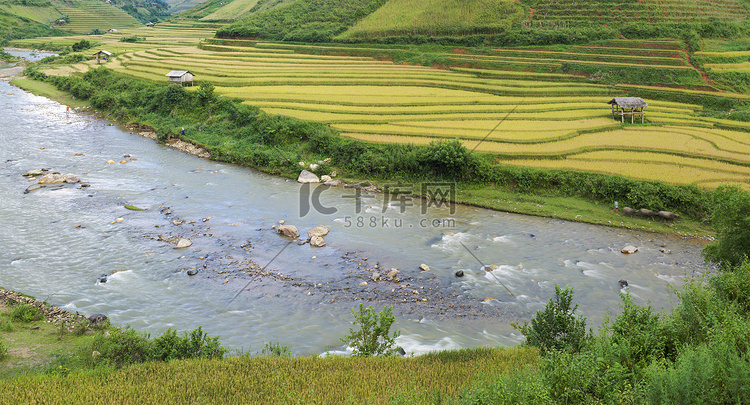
point(489, 196)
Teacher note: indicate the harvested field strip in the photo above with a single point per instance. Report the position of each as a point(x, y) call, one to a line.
point(354, 118)
point(655, 171)
point(443, 108)
point(588, 57)
point(495, 136)
point(728, 67)
point(687, 91)
point(540, 61)
point(664, 158)
point(519, 75)
point(615, 50)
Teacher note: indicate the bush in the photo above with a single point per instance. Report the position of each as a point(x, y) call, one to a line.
point(118, 348)
point(373, 338)
point(196, 344)
point(556, 327)
point(275, 349)
point(730, 216)
point(24, 313)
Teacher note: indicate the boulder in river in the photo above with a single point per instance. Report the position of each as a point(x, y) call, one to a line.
point(97, 319)
point(307, 177)
point(325, 178)
point(32, 187)
point(628, 250)
point(183, 243)
point(35, 172)
point(317, 241)
point(318, 231)
point(424, 267)
point(290, 231)
point(392, 275)
point(622, 283)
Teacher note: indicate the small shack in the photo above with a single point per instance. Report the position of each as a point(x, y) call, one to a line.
point(102, 55)
point(149, 24)
point(631, 106)
point(183, 77)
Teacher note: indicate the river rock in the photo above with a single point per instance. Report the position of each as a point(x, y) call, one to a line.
point(424, 267)
point(622, 283)
point(97, 319)
point(183, 243)
point(333, 183)
point(103, 278)
point(318, 231)
point(375, 276)
point(307, 177)
point(302, 242)
point(325, 178)
point(71, 179)
point(32, 187)
point(192, 272)
point(35, 172)
point(290, 231)
point(628, 250)
point(314, 166)
point(317, 241)
point(51, 178)
point(459, 273)
point(392, 274)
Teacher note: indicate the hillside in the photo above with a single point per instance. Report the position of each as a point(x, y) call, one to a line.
point(321, 20)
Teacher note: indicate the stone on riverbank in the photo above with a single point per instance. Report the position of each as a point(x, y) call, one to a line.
point(318, 231)
point(317, 241)
point(35, 172)
point(183, 243)
point(307, 177)
point(629, 250)
point(290, 231)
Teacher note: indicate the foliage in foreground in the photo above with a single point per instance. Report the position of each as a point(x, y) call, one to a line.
point(698, 354)
point(122, 347)
point(373, 337)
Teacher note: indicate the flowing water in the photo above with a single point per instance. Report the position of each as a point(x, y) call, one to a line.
point(58, 241)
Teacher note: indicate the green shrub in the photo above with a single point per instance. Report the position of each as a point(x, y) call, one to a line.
point(118, 348)
point(24, 313)
point(275, 349)
point(556, 327)
point(81, 45)
point(730, 217)
point(373, 337)
point(526, 386)
point(195, 344)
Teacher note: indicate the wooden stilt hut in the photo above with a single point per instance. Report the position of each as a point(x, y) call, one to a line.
point(102, 55)
point(631, 106)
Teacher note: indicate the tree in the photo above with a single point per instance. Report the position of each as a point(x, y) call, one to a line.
point(730, 216)
point(373, 338)
point(556, 327)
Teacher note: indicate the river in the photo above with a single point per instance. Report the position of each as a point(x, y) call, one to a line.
point(57, 242)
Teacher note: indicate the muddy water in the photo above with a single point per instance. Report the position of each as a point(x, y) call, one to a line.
point(58, 241)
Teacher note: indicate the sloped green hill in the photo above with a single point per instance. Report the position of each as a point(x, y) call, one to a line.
point(438, 17)
point(301, 20)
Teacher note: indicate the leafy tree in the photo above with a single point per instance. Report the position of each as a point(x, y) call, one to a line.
point(731, 219)
point(556, 327)
point(373, 338)
point(81, 45)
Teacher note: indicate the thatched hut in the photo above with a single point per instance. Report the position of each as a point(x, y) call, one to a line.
point(183, 77)
point(631, 106)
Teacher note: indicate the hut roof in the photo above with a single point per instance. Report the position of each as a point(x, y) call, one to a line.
point(104, 52)
point(177, 73)
point(628, 102)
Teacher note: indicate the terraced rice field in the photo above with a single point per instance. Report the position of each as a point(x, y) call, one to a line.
point(89, 14)
point(552, 14)
point(533, 119)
